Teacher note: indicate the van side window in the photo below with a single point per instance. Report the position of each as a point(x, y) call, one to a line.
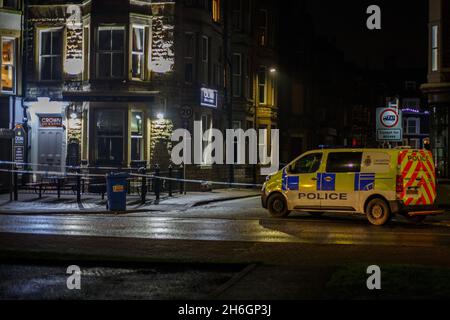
point(344, 162)
point(307, 164)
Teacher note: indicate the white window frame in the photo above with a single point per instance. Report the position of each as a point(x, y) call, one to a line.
point(51, 30)
point(13, 65)
point(137, 53)
point(111, 52)
point(434, 48)
point(417, 126)
point(138, 137)
point(264, 102)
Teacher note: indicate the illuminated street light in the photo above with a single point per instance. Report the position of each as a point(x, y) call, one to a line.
point(160, 116)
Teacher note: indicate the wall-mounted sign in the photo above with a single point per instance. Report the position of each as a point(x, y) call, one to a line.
point(389, 125)
point(19, 145)
point(50, 122)
point(208, 98)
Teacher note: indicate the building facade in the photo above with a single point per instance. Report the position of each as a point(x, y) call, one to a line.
point(437, 87)
point(11, 113)
point(109, 80)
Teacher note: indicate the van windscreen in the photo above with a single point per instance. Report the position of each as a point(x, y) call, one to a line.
point(344, 162)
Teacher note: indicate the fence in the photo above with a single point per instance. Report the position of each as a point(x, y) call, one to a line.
point(79, 181)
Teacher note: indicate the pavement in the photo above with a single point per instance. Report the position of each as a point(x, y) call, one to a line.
point(30, 203)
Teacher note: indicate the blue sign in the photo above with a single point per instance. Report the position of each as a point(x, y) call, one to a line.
point(208, 98)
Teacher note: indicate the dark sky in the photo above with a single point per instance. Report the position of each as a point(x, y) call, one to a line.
point(403, 35)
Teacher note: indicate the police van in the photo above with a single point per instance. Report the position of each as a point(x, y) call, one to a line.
point(375, 182)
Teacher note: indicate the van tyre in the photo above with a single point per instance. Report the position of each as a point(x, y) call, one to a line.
point(277, 206)
point(378, 212)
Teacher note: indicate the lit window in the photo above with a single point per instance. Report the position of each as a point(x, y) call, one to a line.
point(110, 52)
point(237, 75)
point(137, 136)
point(137, 55)
point(262, 85)
point(50, 53)
point(8, 65)
point(216, 10)
point(434, 48)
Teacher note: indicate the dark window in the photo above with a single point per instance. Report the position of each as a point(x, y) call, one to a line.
point(307, 164)
point(344, 162)
point(109, 130)
point(50, 55)
point(110, 55)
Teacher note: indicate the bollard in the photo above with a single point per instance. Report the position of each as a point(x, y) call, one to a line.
point(78, 185)
point(157, 182)
point(181, 176)
point(16, 191)
point(170, 180)
point(143, 171)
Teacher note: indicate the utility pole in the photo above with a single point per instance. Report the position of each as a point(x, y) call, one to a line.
point(228, 97)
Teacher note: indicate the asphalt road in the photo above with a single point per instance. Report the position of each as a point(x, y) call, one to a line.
point(240, 221)
point(284, 258)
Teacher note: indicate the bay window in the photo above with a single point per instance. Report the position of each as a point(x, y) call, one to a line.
point(8, 65)
point(434, 48)
point(50, 54)
point(137, 136)
point(137, 54)
point(109, 136)
point(110, 52)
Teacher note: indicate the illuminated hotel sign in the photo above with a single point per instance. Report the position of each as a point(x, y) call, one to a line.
point(50, 122)
point(208, 98)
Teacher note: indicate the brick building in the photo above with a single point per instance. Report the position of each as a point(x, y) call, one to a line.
point(109, 80)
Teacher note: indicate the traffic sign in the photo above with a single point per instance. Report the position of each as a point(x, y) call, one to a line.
point(389, 125)
point(186, 112)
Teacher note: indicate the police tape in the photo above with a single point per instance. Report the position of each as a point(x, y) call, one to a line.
point(24, 164)
point(89, 175)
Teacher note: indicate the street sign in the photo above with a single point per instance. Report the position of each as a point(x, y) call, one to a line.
point(7, 134)
point(209, 97)
point(389, 125)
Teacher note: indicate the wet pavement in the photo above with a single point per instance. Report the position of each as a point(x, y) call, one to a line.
point(239, 220)
point(157, 282)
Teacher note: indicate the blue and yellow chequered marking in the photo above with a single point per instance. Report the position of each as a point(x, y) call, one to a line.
point(290, 183)
point(364, 181)
point(326, 182)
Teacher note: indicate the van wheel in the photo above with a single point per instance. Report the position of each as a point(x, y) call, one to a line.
point(378, 212)
point(277, 206)
point(415, 219)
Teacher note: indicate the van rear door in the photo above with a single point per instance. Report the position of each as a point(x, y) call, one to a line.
point(416, 180)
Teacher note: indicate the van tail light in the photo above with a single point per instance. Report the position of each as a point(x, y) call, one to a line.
point(399, 184)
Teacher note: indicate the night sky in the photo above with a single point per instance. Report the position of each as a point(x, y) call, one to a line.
point(403, 35)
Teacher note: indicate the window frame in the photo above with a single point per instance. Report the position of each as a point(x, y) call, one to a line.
point(13, 66)
point(189, 57)
point(139, 137)
point(205, 59)
point(264, 102)
point(59, 30)
point(216, 11)
point(434, 48)
point(111, 52)
point(263, 41)
point(123, 137)
point(141, 54)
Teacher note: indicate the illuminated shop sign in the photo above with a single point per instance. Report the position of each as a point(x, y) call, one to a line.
point(208, 98)
point(51, 122)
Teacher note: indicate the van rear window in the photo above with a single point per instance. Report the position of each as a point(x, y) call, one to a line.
point(344, 162)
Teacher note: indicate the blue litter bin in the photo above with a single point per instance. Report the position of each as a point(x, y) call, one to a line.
point(116, 188)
